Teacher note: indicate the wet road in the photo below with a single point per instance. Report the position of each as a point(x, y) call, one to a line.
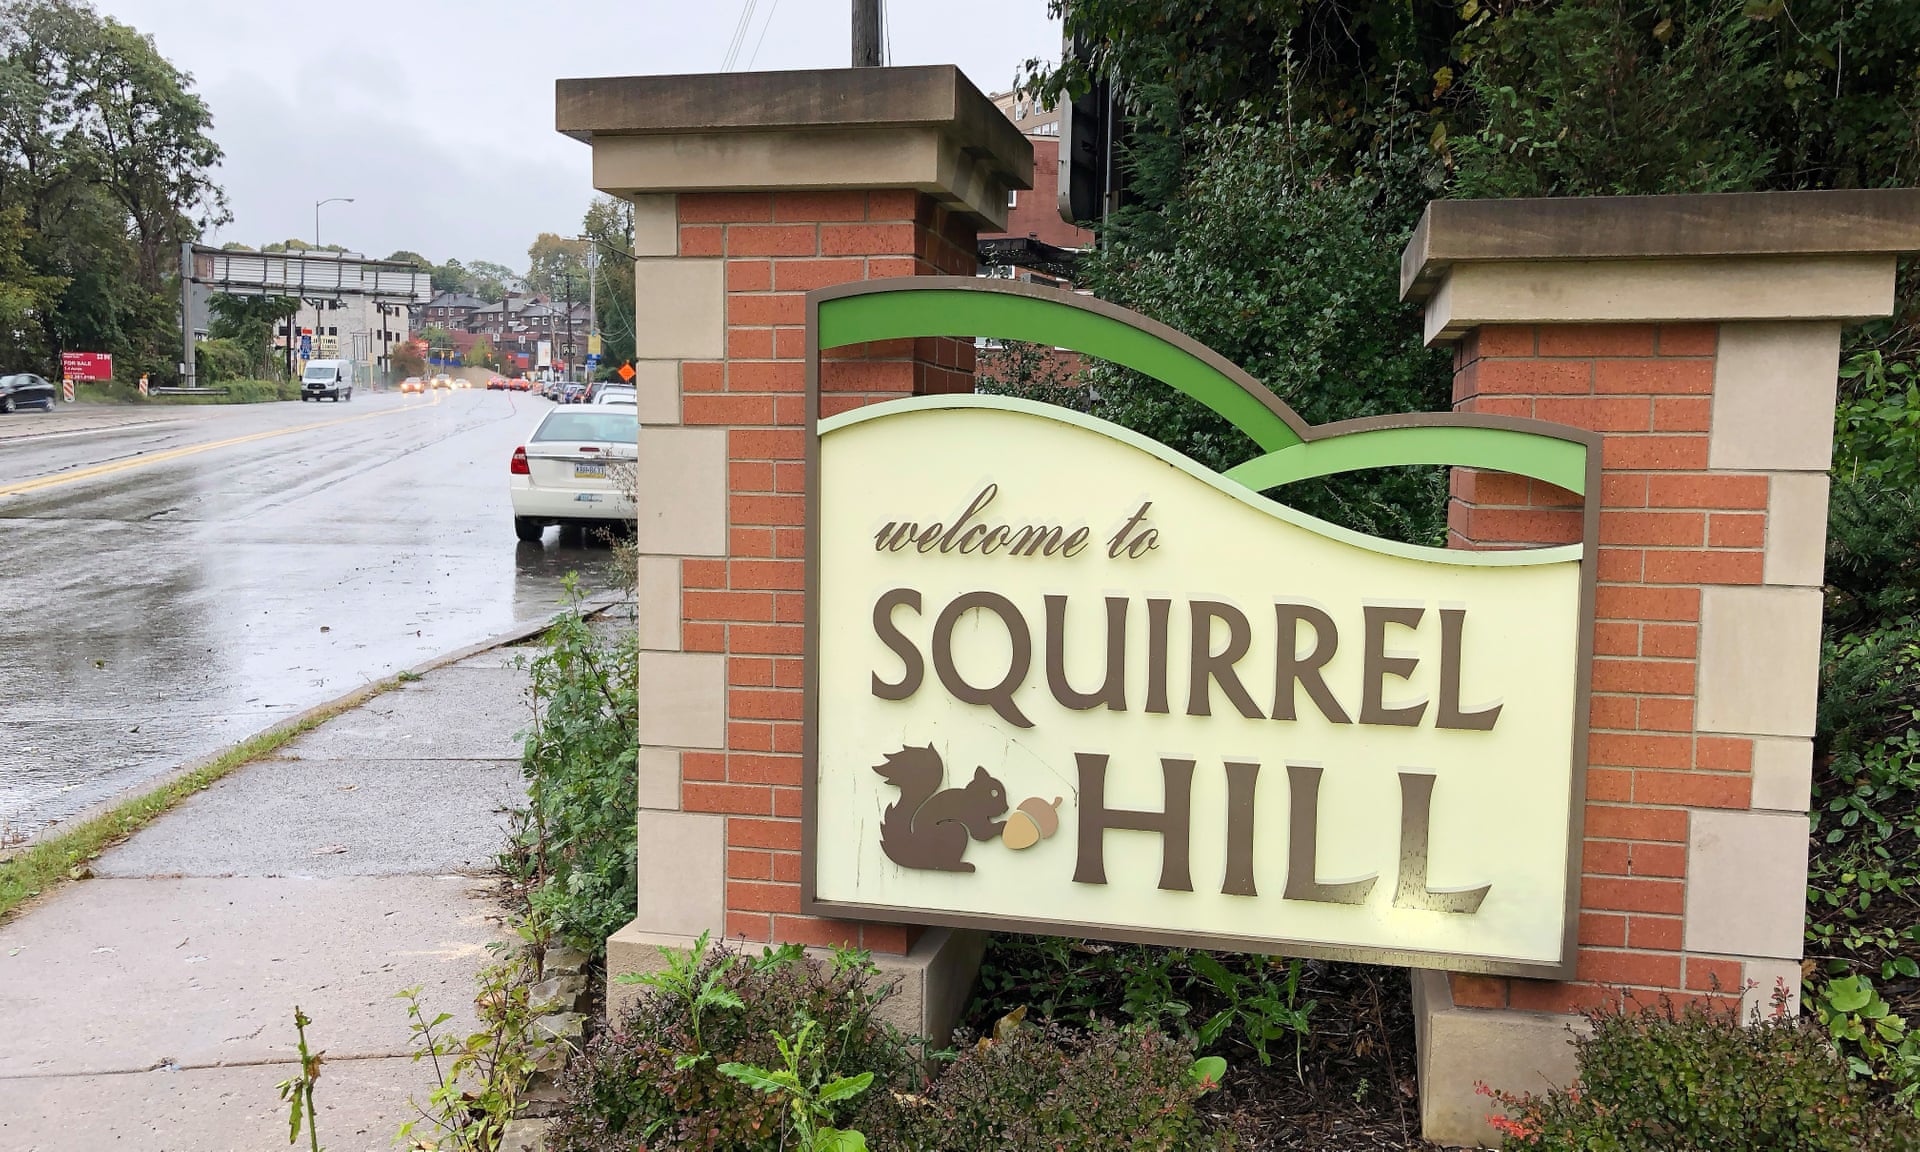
point(172, 586)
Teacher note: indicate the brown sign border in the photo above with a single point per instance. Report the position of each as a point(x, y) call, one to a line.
point(812, 905)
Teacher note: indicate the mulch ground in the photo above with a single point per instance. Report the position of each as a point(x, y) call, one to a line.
point(1354, 1087)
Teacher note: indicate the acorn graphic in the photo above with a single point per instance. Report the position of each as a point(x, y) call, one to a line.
point(1035, 820)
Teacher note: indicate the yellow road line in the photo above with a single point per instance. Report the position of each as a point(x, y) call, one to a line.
point(189, 450)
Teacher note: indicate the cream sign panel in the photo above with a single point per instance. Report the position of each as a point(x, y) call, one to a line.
point(1066, 680)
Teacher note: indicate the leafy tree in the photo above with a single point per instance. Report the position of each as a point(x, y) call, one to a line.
point(247, 322)
point(27, 298)
point(404, 256)
point(405, 360)
point(480, 355)
point(490, 281)
point(554, 260)
point(609, 225)
point(106, 157)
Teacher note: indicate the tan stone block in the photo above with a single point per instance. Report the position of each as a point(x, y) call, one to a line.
point(656, 386)
point(1759, 665)
point(932, 983)
point(1702, 288)
point(657, 600)
point(1462, 1048)
point(1773, 392)
point(1746, 883)
point(683, 699)
point(1763, 978)
point(680, 308)
point(1796, 529)
point(682, 503)
point(656, 224)
point(659, 779)
point(820, 160)
point(683, 872)
point(1782, 774)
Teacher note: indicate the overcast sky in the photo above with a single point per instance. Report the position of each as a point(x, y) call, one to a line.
point(437, 115)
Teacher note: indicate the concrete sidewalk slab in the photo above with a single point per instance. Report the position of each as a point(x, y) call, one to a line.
point(332, 818)
point(130, 975)
point(362, 1103)
point(456, 713)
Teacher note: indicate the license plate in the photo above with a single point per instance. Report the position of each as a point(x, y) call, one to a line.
point(588, 497)
point(587, 469)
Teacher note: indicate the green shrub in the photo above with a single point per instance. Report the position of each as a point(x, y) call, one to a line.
point(237, 392)
point(574, 847)
point(1057, 1088)
point(1288, 266)
point(1672, 1080)
point(654, 1080)
point(730, 1053)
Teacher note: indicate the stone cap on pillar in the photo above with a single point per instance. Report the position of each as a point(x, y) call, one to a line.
point(925, 128)
point(1826, 255)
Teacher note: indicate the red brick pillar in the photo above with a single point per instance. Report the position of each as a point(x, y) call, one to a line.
point(748, 604)
point(1667, 529)
point(750, 190)
point(1700, 335)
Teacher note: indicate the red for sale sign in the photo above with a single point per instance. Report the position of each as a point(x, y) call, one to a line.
point(86, 366)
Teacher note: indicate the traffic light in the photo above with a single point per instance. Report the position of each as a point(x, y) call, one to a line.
point(1089, 176)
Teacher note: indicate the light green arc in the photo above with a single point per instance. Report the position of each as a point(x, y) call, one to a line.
point(908, 313)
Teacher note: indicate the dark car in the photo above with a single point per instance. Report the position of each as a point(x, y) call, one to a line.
point(573, 393)
point(25, 390)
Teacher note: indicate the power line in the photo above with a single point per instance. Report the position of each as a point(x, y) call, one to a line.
point(739, 35)
point(763, 34)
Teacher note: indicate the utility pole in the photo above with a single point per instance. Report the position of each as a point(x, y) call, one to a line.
point(866, 33)
point(593, 312)
point(571, 358)
point(187, 364)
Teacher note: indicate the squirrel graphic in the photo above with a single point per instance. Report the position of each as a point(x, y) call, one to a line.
point(929, 825)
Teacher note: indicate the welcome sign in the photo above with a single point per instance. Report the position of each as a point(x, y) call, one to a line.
point(1064, 679)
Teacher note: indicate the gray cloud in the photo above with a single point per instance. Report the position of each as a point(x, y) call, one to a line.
point(437, 115)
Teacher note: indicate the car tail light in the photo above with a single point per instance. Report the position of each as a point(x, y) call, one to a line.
point(519, 465)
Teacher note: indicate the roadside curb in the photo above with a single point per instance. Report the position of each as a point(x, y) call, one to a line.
point(346, 702)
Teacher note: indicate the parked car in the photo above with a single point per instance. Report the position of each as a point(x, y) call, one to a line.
point(573, 393)
point(25, 390)
point(413, 384)
point(567, 473)
point(329, 379)
point(617, 394)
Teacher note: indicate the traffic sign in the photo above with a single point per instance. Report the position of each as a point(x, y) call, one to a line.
point(306, 347)
point(626, 373)
point(593, 358)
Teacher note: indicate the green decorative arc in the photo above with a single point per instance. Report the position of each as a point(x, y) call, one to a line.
point(1292, 450)
point(1005, 316)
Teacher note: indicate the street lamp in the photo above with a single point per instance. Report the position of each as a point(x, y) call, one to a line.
point(316, 214)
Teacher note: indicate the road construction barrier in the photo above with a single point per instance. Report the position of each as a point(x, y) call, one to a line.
point(66, 389)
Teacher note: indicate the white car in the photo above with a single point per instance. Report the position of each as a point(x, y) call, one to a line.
point(615, 394)
point(575, 471)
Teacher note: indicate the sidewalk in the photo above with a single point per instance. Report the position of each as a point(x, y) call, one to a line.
point(150, 1007)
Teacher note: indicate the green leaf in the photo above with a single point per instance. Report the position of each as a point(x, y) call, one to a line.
point(839, 1140)
point(1207, 1073)
point(759, 1078)
point(845, 1088)
point(1849, 995)
point(1906, 967)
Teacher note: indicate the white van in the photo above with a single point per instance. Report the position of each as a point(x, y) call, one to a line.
point(333, 379)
